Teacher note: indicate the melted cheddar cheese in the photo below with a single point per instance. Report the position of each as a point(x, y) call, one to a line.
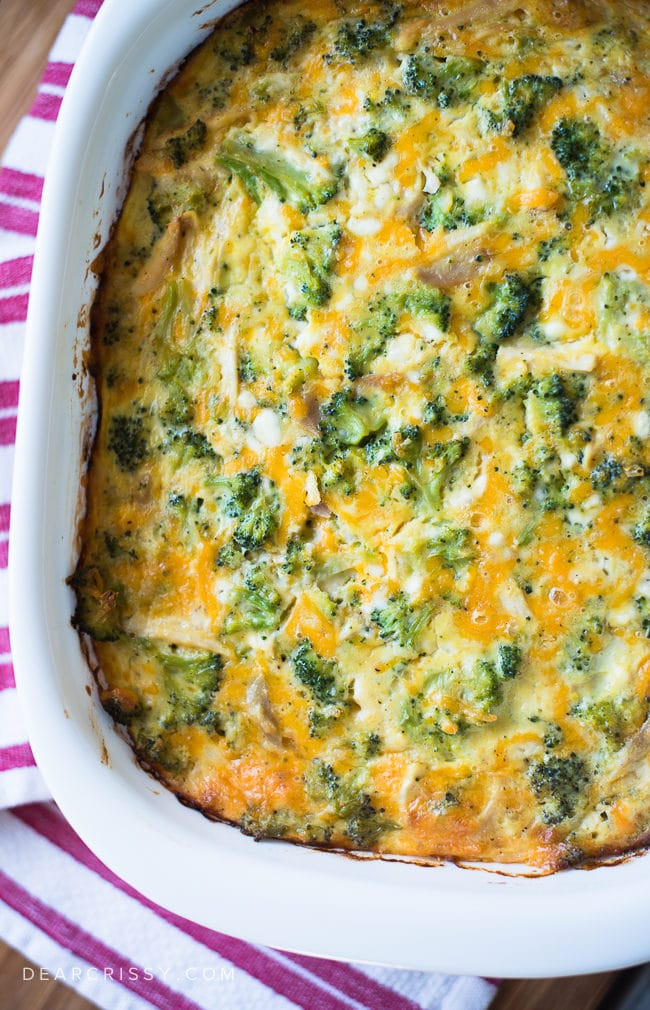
point(365, 560)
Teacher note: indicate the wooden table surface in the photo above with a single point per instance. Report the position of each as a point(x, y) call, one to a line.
point(28, 28)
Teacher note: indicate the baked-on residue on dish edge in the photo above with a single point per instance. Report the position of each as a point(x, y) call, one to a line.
point(365, 558)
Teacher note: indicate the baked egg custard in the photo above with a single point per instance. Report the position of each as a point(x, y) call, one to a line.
point(365, 558)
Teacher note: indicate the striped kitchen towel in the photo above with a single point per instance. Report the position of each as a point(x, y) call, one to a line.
point(59, 905)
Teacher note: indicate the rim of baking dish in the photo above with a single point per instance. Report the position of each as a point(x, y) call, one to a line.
point(445, 918)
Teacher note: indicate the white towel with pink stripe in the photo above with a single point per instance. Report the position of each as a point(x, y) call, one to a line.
point(62, 908)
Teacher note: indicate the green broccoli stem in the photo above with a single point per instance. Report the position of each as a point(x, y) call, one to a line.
point(290, 184)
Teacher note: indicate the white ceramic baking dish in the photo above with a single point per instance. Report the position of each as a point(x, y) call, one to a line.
point(454, 919)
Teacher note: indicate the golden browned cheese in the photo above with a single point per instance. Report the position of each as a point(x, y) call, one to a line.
point(365, 558)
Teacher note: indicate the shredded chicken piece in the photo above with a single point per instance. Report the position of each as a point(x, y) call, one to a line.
point(260, 708)
point(163, 258)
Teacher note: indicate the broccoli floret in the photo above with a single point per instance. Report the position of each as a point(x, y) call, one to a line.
point(359, 360)
point(295, 559)
point(308, 267)
point(296, 38)
point(127, 439)
point(551, 246)
point(612, 476)
point(437, 415)
point(597, 176)
point(339, 474)
point(121, 547)
point(114, 325)
point(187, 445)
point(607, 475)
point(191, 680)
point(480, 361)
point(306, 116)
point(553, 736)
point(318, 674)
point(379, 449)
point(445, 457)
point(230, 556)
point(430, 468)
point(263, 824)
point(525, 97)
point(617, 43)
point(364, 823)
point(408, 444)
point(452, 545)
point(552, 405)
point(122, 705)
point(372, 745)
point(579, 147)
point(524, 481)
point(347, 419)
point(423, 725)
point(559, 784)
point(582, 644)
point(257, 521)
point(621, 303)
point(641, 532)
point(428, 303)
point(256, 605)
point(511, 300)
point(356, 40)
point(246, 369)
point(254, 506)
point(315, 455)
point(97, 612)
point(214, 94)
point(482, 690)
point(188, 681)
point(373, 145)
point(446, 80)
point(250, 26)
point(178, 503)
point(476, 693)
point(378, 327)
point(392, 108)
point(321, 781)
point(614, 718)
point(393, 99)
point(542, 484)
point(381, 321)
point(508, 660)
point(181, 147)
point(289, 183)
point(400, 621)
point(242, 489)
point(300, 373)
point(168, 200)
point(321, 720)
point(643, 608)
point(236, 58)
point(446, 209)
point(258, 524)
point(179, 408)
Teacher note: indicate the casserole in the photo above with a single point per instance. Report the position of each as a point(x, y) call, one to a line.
point(352, 368)
point(51, 671)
